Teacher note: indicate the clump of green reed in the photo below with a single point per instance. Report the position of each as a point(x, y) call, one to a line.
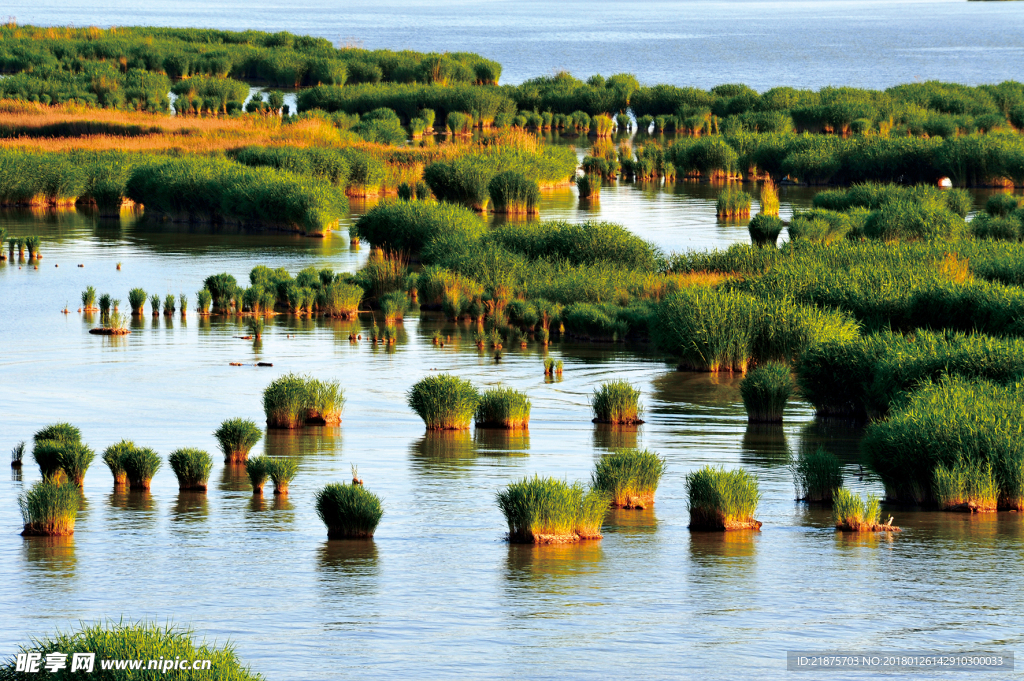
point(552, 367)
point(203, 301)
point(89, 299)
point(154, 302)
point(384, 272)
point(74, 459)
point(169, 301)
point(514, 194)
point(137, 299)
point(17, 455)
point(769, 198)
point(281, 471)
point(183, 303)
point(325, 401)
point(46, 454)
point(444, 402)
point(966, 485)
point(162, 644)
point(503, 408)
point(62, 432)
point(254, 327)
point(113, 456)
point(192, 467)
point(349, 511)
point(617, 402)
point(49, 508)
point(105, 304)
point(817, 474)
point(764, 229)
point(629, 476)
point(140, 465)
point(765, 391)
point(237, 438)
point(32, 244)
point(708, 329)
point(394, 305)
point(1002, 205)
point(256, 468)
point(722, 500)
point(589, 187)
point(852, 514)
point(285, 402)
point(733, 203)
point(546, 510)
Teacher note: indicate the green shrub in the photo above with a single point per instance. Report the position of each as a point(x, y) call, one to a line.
point(444, 402)
point(237, 437)
point(113, 456)
point(629, 476)
point(281, 471)
point(722, 500)
point(349, 511)
point(765, 391)
point(256, 468)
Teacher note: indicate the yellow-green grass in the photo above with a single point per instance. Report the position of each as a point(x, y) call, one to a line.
point(629, 476)
point(765, 391)
point(349, 511)
point(256, 468)
point(192, 467)
point(444, 402)
point(851, 513)
point(113, 456)
point(140, 465)
point(968, 486)
point(285, 402)
point(237, 437)
point(617, 402)
point(503, 408)
point(281, 471)
point(49, 508)
point(817, 474)
point(551, 511)
point(722, 500)
point(733, 203)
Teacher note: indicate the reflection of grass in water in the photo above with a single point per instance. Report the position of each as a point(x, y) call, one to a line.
point(323, 440)
point(190, 507)
point(765, 444)
point(52, 554)
point(611, 437)
point(734, 546)
point(138, 501)
point(839, 436)
point(499, 441)
point(630, 521)
point(233, 478)
point(348, 558)
point(530, 565)
point(444, 448)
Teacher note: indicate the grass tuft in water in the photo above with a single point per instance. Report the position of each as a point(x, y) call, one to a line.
point(256, 469)
point(285, 402)
point(325, 400)
point(18, 454)
point(192, 467)
point(733, 203)
point(764, 229)
point(169, 301)
point(49, 508)
point(89, 299)
point(113, 456)
point(503, 408)
point(62, 432)
point(444, 402)
point(769, 198)
point(237, 437)
point(551, 511)
point(140, 465)
point(254, 327)
point(617, 402)
point(853, 514)
point(281, 471)
point(629, 476)
point(154, 302)
point(765, 391)
point(966, 485)
point(349, 511)
point(59, 460)
point(817, 475)
point(722, 500)
point(552, 367)
point(137, 299)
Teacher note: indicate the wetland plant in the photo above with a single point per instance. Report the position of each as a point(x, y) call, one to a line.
point(154, 302)
point(769, 198)
point(764, 229)
point(765, 391)
point(325, 401)
point(105, 304)
point(169, 301)
point(140, 465)
point(237, 438)
point(256, 469)
point(32, 245)
point(285, 402)
point(49, 508)
point(203, 301)
point(552, 367)
point(589, 187)
point(137, 299)
point(503, 408)
point(281, 471)
point(733, 203)
point(192, 467)
point(444, 402)
point(514, 194)
point(113, 456)
point(74, 459)
point(817, 474)
point(394, 305)
point(17, 455)
point(89, 299)
point(853, 514)
point(968, 486)
point(551, 511)
point(349, 511)
point(62, 432)
point(722, 500)
point(254, 327)
point(183, 303)
point(617, 402)
point(629, 476)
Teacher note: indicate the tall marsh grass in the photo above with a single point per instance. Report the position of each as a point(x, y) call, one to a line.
point(444, 402)
point(236, 438)
point(733, 203)
point(140, 465)
point(817, 474)
point(49, 508)
point(550, 511)
point(503, 408)
point(349, 511)
point(256, 468)
point(281, 471)
point(851, 513)
point(192, 467)
point(765, 391)
point(113, 457)
point(617, 402)
point(629, 476)
point(722, 500)
point(514, 194)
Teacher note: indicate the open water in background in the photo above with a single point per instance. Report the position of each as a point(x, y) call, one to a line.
point(438, 594)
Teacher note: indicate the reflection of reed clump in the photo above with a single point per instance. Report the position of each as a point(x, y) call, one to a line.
point(612, 437)
point(53, 554)
point(501, 441)
point(551, 565)
point(765, 444)
point(191, 506)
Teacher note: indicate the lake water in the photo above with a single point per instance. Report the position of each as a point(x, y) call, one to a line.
point(438, 593)
point(763, 43)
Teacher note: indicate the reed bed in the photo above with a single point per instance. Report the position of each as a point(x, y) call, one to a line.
point(550, 511)
point(722, 500)
point(325, 401)
point(708, 329)
point(113, 457)
point(281, 471)
point(851, 513)
point(137, 299)
point(817, 474)
point(552, 367)
point(769, 198)
point(512, 193)
point(765, 391)
point(49, 508)
point(154, 303)
point(733, 203)
point(204, 298)
point(967, 486)
point(349, 511)
point(142, 640)
point(140, 465)
point(192, 468)
point(503, 408)
point(617, 402)
point(257, 469)
point(444, 402)
point(629, 476)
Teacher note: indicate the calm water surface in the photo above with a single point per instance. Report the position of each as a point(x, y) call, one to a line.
point(438, 594)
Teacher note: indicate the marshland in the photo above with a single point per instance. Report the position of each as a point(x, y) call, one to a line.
point(880, 289)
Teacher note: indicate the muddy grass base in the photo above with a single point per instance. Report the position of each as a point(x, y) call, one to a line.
point(44, 530)
point(315, 419)
point(631, 422)
point(110, 332)
point(847, 526)
point(503, 425)
point(551, 538)
point(971, 507)
point(726, 525)
point(638, 501)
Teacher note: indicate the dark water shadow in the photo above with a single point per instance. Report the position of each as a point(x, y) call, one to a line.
point(233, 478)
point(630, 521)
point(191, 506)
point(444, 452)
point(764, 444)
